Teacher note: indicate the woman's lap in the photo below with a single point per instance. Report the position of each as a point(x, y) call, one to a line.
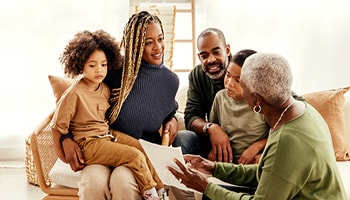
point(99, 182)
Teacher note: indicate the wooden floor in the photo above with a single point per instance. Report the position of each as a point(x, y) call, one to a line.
point(13, 183)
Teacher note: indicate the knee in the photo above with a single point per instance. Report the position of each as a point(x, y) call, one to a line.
point(185, 138)
point(123, 184)
point(94, 182)
point(136, 154)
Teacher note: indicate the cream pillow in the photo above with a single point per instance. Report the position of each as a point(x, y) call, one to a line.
point(62, 174)
point(330, 104)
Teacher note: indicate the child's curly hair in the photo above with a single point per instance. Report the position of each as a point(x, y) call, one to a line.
point(79, 49)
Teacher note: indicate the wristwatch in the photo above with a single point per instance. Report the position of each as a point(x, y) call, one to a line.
point(206, 126)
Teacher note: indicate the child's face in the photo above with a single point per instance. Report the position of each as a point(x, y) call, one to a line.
point(95, 68)
point(154, 44)
point(232, 79)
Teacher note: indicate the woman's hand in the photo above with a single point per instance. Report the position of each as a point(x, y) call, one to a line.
point(199, 163)
point(68, 151)
point(171, 128)
point(191, 178)
point(73, 154)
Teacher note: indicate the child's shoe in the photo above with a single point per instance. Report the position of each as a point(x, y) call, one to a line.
point(151, 194)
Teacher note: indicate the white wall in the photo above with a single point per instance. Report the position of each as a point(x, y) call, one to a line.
point(311, 34)
point(33, 35)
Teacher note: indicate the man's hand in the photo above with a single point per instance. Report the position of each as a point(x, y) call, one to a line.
point(221, 148)
point(73, 154)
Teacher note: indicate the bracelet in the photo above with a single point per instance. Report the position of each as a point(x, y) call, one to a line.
point(206, 126)
point(65, 136)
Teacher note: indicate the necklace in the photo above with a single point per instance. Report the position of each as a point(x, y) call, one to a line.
point(279, 119)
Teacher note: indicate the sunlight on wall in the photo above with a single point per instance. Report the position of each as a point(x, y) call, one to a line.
point(312, 35)
point(33, 35)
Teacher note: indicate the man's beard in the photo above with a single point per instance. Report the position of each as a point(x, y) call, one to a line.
point(216, 75)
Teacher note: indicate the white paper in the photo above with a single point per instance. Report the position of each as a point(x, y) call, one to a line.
point(161, 157)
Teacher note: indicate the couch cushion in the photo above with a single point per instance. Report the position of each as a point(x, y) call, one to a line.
point(330, 104)
point(181, 98)
point(62, 174)
point(347, 119)
point(345, 176)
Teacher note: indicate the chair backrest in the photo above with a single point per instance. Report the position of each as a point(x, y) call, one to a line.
point(45, 156)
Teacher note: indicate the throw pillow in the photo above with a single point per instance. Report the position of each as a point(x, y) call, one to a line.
point(63, 175)
point(59, 85)
point(330, 104)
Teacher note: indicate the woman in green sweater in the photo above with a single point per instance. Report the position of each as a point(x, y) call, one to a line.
point(298, 161)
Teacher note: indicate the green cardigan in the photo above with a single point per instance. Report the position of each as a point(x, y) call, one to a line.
point(297, 163)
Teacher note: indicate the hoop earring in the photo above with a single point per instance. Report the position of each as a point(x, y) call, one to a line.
point(257, 108)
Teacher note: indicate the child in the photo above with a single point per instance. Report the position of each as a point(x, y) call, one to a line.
point(247, 131)
point(82, 108)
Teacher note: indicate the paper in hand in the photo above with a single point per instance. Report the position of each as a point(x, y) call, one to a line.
point(161, 157)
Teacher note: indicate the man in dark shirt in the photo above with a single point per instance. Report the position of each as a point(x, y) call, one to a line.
point(205, 80)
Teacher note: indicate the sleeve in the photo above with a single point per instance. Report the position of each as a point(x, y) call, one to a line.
point(214, 191)
point(215, 111)
point(169, 117)
point(280, 168)
point(64, 112)
point(243, 175)
point(194, 105)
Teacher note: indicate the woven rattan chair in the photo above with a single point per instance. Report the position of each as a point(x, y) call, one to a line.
point(44, 156)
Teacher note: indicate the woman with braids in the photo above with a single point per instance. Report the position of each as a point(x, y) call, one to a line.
point(82, 110)
point(142, 100)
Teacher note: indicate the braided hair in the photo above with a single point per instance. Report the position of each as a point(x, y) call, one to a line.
point(133, 43)
point(79, 49)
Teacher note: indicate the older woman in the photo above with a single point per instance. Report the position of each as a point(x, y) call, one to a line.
point(298, 161)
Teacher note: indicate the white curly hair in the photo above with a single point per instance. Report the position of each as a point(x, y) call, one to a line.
point(268, 75)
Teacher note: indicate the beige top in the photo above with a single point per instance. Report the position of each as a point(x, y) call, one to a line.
point(242, 125)
point(82, 112)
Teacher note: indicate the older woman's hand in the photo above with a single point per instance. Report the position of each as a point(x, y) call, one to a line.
point(190, 175)
point(199, 163)
point(190, 178)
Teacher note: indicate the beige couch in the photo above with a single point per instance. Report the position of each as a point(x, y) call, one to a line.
point(57, 180)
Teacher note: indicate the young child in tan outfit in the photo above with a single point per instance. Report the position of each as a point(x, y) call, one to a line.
point(82, 108)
